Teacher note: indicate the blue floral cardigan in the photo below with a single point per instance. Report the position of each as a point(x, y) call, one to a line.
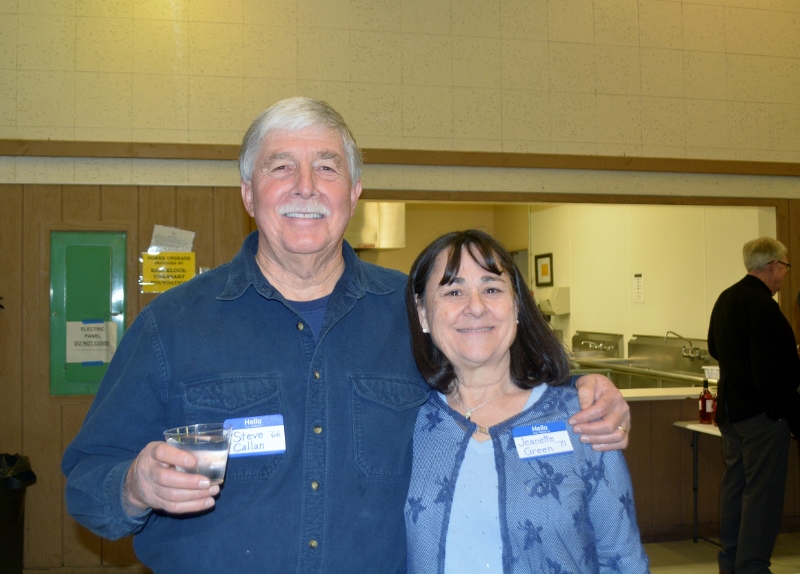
point(563, 513)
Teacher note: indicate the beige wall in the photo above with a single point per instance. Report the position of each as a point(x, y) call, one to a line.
point(426, 222)
point(702, 78)
point(686, 254)
point(511, 226)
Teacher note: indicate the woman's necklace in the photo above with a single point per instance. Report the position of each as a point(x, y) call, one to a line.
point(468, 413)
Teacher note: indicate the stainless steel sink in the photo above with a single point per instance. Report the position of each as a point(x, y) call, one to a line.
point(651, 362)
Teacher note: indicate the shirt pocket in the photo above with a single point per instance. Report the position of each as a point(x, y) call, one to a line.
point(233, 397)
point(384, 413)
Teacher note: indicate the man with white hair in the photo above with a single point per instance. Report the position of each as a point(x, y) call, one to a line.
point(757, 401)
point(296, 327)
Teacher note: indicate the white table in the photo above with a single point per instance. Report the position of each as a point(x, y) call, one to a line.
point(696, 429)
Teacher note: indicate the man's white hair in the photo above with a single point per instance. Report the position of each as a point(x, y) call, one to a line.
point(295, 114)
point(760, 252)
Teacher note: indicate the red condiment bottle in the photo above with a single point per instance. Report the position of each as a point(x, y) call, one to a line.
point(706, 405)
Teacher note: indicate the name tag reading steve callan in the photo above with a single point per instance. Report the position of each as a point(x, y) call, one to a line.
point(542, 439)
point(257, 436)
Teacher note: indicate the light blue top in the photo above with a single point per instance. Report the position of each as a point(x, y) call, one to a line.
point(564, 513)
point(474, 543)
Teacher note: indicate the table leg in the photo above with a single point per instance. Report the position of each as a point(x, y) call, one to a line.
point(704, 429)
point(695, 438)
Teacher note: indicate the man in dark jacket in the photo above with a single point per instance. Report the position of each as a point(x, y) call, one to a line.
point(757, 401)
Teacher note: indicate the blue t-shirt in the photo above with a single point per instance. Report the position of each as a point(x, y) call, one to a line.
point(313, 312)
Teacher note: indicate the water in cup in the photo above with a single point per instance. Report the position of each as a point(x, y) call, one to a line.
point(208, 443)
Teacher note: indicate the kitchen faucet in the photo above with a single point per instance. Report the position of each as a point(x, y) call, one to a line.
point(691, 345)
point(692, 353)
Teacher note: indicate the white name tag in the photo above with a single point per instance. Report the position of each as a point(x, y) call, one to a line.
point(257, 436)
point(542, 439)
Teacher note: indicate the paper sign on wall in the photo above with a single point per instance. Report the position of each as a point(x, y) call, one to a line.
point(161, 271)
point(169, 260)
point(638, 288)
point(170, 239)
point(91, 342)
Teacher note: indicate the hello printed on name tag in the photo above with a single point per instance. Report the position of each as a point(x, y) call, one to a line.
point(257, 436)
point(545, 439)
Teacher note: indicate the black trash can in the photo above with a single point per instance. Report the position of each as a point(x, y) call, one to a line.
point(15, 476)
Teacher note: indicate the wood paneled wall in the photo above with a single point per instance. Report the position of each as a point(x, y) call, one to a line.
point(32, 421)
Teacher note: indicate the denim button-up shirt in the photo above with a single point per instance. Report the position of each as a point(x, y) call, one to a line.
point(228, 345)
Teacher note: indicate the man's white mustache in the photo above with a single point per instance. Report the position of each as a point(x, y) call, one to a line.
point(298, 208)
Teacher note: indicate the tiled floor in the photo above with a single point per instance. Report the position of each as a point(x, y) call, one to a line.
point(686, 557)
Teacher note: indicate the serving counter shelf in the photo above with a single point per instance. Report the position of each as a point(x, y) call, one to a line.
point(659, 394)
point(675, 380)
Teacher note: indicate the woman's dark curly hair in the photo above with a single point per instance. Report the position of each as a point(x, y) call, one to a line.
point(537, 356)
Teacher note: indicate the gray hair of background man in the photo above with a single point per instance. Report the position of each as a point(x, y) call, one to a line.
point(760, 252)
point(296, 114)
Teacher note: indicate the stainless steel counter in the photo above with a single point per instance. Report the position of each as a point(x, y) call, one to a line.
point(630, 367)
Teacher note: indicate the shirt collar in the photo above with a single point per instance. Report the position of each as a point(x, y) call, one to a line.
point(758, 283)
point(357, 279)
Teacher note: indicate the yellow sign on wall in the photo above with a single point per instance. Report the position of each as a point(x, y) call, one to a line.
point(161, 271)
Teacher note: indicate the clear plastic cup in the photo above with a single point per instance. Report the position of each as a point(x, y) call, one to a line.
point(208, 442)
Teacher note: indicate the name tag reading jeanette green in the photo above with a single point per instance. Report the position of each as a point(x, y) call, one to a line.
point(533, 441)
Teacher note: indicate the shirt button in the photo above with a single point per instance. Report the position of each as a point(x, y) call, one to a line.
point(316, 375)
point(317, 429)
point(299, 326)
point(314, 485)
point(312, 544)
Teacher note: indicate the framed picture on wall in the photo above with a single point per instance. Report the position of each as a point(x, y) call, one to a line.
point(544, 269)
